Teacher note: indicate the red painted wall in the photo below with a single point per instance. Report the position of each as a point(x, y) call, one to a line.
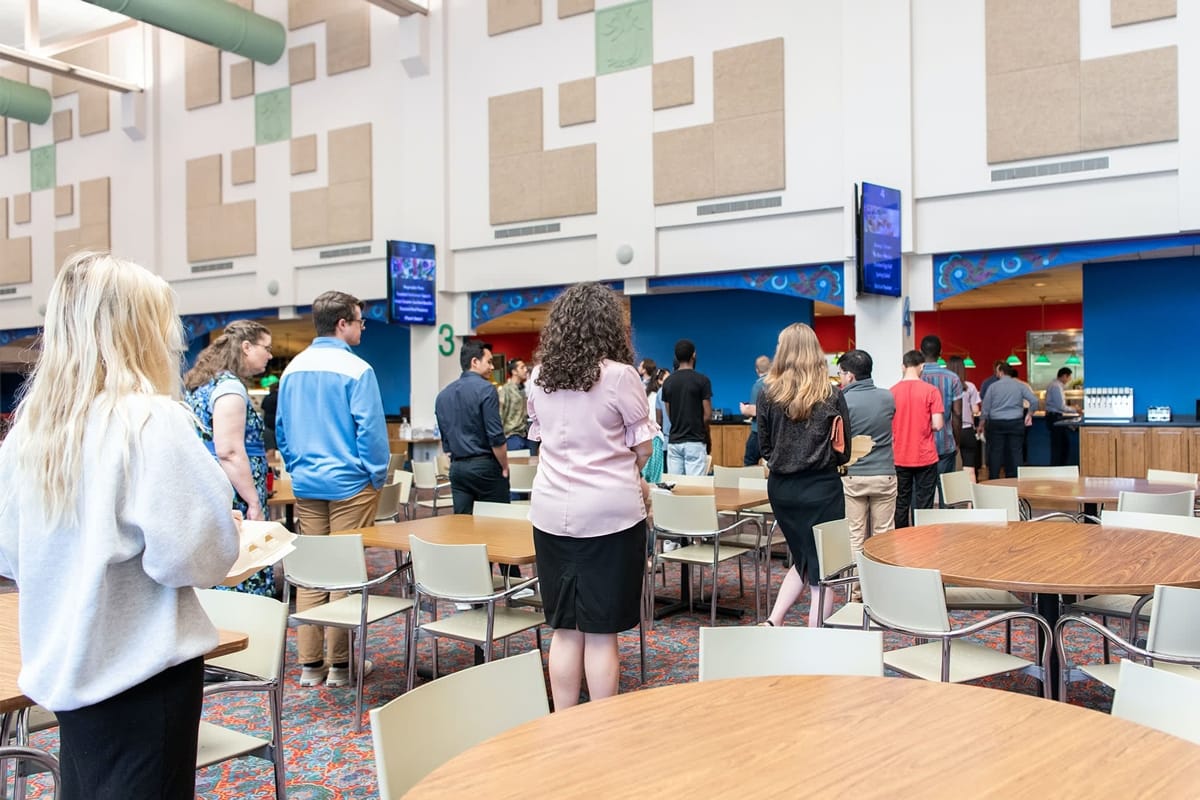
point(513, 345)
point(834, 333)
point(991, 334)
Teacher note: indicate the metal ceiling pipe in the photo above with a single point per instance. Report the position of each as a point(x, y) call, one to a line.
point(24, 102)
point(216, 22)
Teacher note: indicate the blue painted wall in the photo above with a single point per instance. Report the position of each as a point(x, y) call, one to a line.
point(1139, 330)
point(730, 329)
point(387, 348)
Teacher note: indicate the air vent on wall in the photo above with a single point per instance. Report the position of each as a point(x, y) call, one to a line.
point(529, 230)
point(342, 252)
point(1057, 168)
point(739, 205)
point(8, 290)
point(216, 266)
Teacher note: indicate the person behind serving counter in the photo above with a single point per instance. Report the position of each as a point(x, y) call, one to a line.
point(113, 512)
point(1056, 409)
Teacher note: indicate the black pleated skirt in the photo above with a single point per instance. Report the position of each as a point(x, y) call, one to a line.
point(593, 585)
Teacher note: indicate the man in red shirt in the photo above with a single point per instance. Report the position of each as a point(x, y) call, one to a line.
point(919, 412)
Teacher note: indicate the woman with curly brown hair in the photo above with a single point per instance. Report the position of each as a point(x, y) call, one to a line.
point(588, 508)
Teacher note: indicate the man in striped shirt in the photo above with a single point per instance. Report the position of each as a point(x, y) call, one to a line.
point(950, 387)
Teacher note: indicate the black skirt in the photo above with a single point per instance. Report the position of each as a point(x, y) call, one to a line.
point(593, 585)
point(801, 500)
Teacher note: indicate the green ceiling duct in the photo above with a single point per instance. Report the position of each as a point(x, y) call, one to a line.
point(24, 102)
point(216, 22)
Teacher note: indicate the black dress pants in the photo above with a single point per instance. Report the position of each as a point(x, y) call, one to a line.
point(1005, 438)
point(915, 488)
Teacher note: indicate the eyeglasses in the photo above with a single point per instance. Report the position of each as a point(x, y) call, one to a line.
point(266, 347)
point(362, 323)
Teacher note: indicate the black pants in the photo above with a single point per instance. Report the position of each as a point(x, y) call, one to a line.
point(752, 455)
point(140, 743)
point(968, 445)
point(1060, 440)
point(474, 479)
point(914, 489)
point(1005, 438)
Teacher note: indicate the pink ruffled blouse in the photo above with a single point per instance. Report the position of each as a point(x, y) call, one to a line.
point(588, 482)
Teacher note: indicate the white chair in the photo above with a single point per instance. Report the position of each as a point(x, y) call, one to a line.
point(1006, 497)
point(520, 479)
point(956, 487)
point(393, 497)
point(395, 462)
point(705, 481)
point(426, 727)
point(335, 563)
point(1064, 473)
point(519, 453)
point(766, 544)
point(836, 565)
point(258, 668)
point(1172, 644)
point(425, 479)
point(936, 516)
point(754, 651)
point(730, 477)
point(1171, 476)
point(1157, 699)
point(912, 601)
point(1182, 504)
point(460, 573)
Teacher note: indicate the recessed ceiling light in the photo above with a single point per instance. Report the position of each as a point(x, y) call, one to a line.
point(1041, 283)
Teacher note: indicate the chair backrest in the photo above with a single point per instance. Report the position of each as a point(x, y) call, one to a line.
point(956, 487)
point(1158, 699)
point(1167, 523)
point(327, 560)
point(932, 516)
point(1064, 473)
point(421, 730)
point(424, 474)
point(389, 502)
point(520, 477)
point(442, 460)
point(904, 597)
point(485, 508)
point(451, 570)
point(684, 513)
point(263, 619)
point(833, 547)
point(735, 652)
point(404, 479)
point(1005, 497)
point(754, 484)
point(1180, 503)
point(395, 462)
point(1173, 630)
point(519, 453)
point(690, 480)
point(1171, 476)
point(728, 477)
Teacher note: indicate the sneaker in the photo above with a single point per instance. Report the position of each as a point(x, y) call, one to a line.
point(340, 676)
point(670, 545)
point(313, 676)
point(521, 595)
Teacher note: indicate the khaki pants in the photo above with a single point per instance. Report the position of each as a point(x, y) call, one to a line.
point(869, 498)
point(319, 518)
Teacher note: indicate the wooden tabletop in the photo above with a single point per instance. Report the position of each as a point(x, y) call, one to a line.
point(727, 499)
point(528, 460)
point(786, 737)
point(282, 494)
point(1084, 490)
point(1044, 557)
point(509, 541)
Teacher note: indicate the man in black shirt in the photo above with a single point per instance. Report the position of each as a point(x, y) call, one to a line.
point(468, 414)
point(687, 398)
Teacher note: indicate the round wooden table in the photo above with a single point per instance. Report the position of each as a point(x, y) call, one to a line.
point(1083, 491)
point(800, 736)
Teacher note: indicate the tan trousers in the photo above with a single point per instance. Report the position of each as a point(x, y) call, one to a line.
point(319, 518)
point(869, 498)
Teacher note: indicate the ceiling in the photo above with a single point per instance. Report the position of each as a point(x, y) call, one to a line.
point(57, 19)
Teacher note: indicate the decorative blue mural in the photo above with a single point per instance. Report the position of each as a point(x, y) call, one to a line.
point(16, 334)
point(955, 273)
point(487, 306)
point(818, 282)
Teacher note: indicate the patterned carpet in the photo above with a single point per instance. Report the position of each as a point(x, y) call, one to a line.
point(327, 761)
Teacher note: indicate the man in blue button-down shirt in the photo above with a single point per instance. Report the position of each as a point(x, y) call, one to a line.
point(468, 414)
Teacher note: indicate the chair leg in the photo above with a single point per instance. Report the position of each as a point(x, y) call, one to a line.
point(1104, 640)
point(360, 665)
point(712, 600)
point(1008, 637)
point(741, 580)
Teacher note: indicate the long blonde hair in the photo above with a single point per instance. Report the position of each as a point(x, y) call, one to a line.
point(799, 378)
point(224, 354)
point(111, 331)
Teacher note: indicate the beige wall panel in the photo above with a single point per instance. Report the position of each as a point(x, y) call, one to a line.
point(202, 75)
point(93, 55)
point(570, 8)
point(64, 201)
point(577, 102)
point(94, 200)
point(63, 124)
point(241, 166)
point(1033, 113)
point(65, 243)
point(241, 79)
point(302, 13)
point(515, 124)
point(515, 188)
point(1024, 34)
point(203, 182)
point(93, 110)
point(237, 223)
point(304, 154)
point(683, 165)
point(20, 137)
point(511, 15)
point(302, 63)
point(22, 208)
point(310, 218)
point(15, 72)
point(748, 154)
point(350, 154)
point(350, 214)
point(748, 80)
point(674, 83)
point(203, 233)
point(569, 181)
point(1127, 12)
point(1129, 99)
point(16, 260)
point(94, 237)
point(3, 136)
point(348, 38)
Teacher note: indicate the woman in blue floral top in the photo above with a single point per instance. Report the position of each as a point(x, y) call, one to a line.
point(228, 424)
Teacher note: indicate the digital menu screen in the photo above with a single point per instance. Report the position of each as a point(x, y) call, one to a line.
point(412, 283)
point(880, 240)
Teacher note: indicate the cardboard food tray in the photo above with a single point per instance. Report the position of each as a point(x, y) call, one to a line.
point(262, 545)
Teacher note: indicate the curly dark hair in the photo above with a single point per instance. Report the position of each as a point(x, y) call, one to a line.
point(586, 325)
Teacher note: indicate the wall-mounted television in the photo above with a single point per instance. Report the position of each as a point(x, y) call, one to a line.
point(412, 283)
point(879, 241)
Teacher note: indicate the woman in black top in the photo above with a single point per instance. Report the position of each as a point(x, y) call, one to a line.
point(797, 411)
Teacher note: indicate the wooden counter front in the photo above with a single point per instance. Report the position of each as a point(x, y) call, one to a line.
point(1128, 450)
